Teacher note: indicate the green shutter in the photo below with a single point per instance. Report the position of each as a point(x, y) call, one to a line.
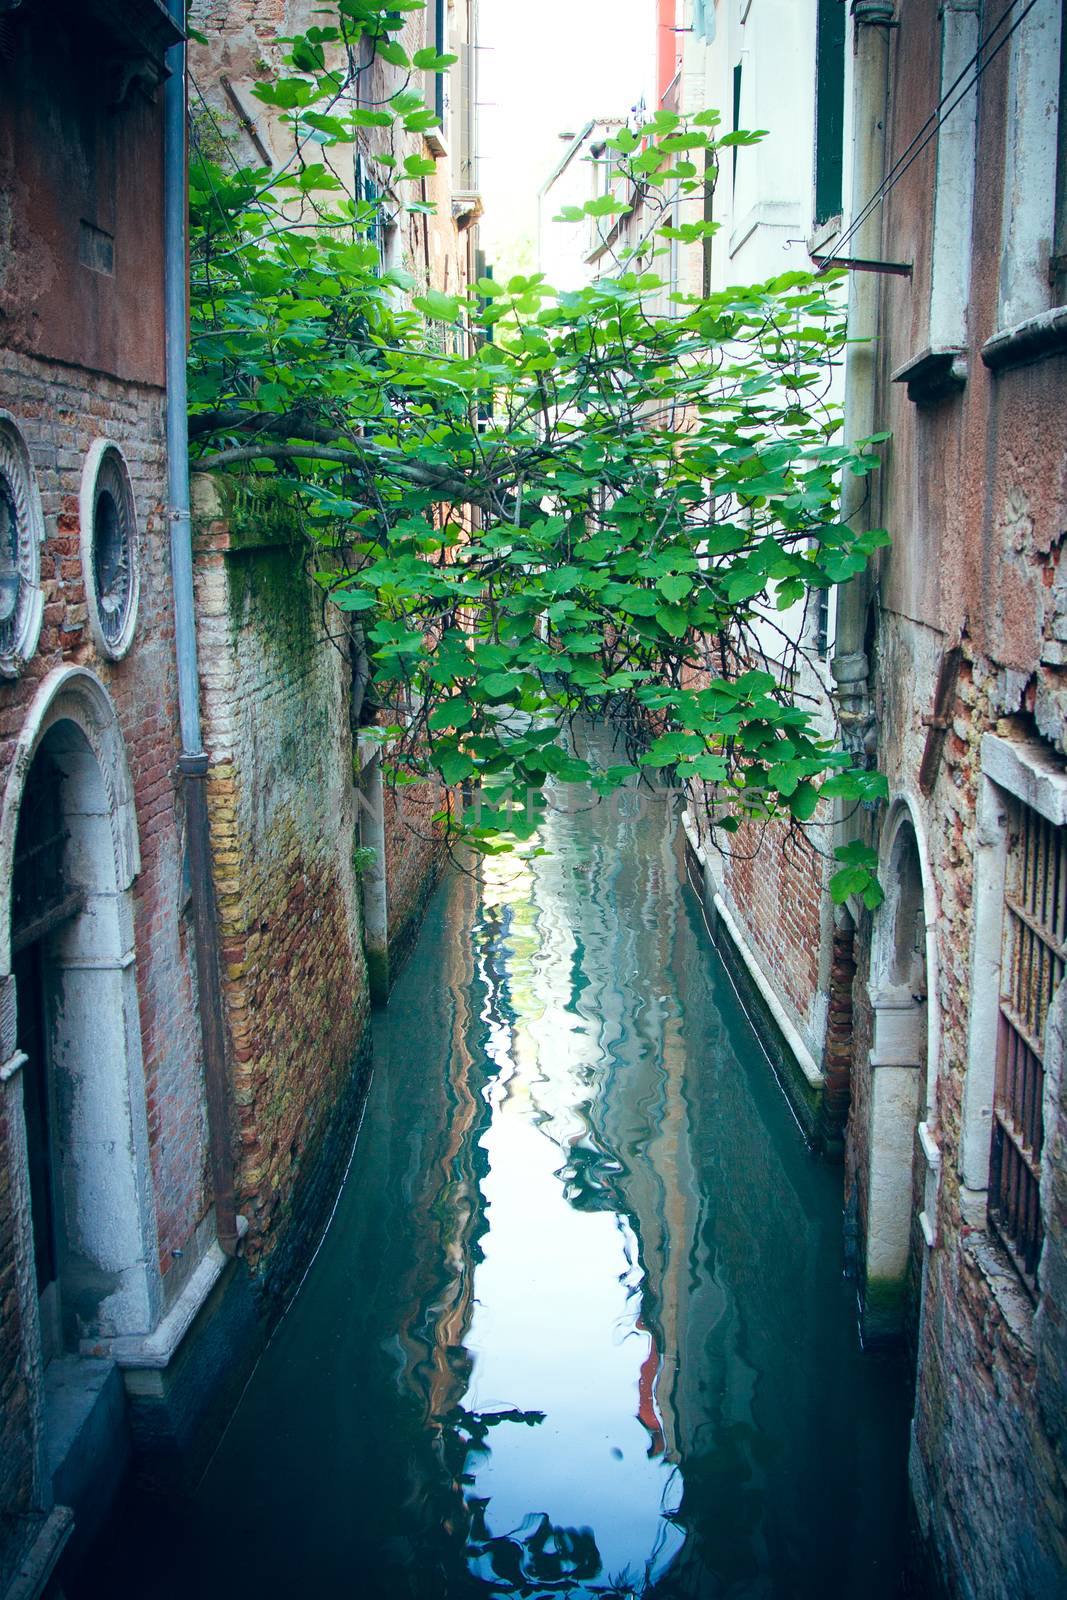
point(829, 108)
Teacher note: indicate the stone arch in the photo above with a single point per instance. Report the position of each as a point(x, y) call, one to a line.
point(902, 1068)
point(76, 695)
point(904, 825)
point(67, 951)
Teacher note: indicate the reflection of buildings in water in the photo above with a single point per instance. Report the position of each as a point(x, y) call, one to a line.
point(612, 926)
point(669, 1137)
point(443, 1191)
point(584, 1007)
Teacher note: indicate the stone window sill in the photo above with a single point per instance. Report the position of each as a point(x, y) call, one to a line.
point(934, 374)
point(1032, 340)
point(1005, 1288)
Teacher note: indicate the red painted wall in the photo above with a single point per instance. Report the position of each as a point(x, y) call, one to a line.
point(668, 54)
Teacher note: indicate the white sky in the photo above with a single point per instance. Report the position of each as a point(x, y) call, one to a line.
point(548, 66)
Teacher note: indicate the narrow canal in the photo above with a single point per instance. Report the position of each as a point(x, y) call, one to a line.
point(579, 1326)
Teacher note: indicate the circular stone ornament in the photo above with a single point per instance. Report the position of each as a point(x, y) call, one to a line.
point(109, 548)
point(21, 538)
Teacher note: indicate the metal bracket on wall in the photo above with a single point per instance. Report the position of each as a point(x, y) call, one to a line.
point(939, 721)
point(899, 269)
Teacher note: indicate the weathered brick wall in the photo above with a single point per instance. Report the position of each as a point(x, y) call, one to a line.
point(17, 1421)
point(283, 819)
point(81, 330)
point(775, 888)
point(413, 859)
point(975, 498)
point(60, 411)
point(991, 1455)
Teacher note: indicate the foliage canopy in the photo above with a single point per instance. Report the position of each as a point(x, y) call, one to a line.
point(532, 504)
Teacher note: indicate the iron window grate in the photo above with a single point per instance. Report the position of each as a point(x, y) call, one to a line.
point(1033, 960)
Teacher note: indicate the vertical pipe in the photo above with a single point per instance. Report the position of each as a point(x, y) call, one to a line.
point(871, 21)
point(193, 761)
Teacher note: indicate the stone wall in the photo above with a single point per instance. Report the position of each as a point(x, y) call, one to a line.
point(283, 817)
point(975, 498)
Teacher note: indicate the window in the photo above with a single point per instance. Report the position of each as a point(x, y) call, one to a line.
point(109, 548)
point(736, 118)
point(1058, 262)
point(436, 91)
point(21, 535)
point(1033, 954)
point(368, 199)
point(1034, 202)
point(954, 187)
point(829, 109)
point(466, 174)
point(822, 623)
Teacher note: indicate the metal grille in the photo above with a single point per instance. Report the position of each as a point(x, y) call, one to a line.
point(1034, 956)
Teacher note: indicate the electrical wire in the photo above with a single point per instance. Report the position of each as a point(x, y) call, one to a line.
point(934, 121)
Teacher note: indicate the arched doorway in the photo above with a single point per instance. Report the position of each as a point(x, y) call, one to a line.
point(68, 850)
point(899, 1089)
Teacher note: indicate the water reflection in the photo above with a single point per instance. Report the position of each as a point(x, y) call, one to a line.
point(579, 1327)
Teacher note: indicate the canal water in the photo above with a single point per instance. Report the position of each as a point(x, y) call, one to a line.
point(579, 1326)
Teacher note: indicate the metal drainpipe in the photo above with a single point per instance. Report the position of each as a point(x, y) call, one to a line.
point(193, 760)
point(872, 21)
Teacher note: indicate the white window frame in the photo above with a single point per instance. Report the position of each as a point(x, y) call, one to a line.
point(1029, 773)
point(1030, 161)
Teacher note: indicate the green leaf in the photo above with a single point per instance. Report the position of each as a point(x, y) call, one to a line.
point(439, 307)
point(454, 765)
point(675, 587)
point(392, 52)
point(605, 205)
point(429, 60)
point(803, 801)
point(419, 166)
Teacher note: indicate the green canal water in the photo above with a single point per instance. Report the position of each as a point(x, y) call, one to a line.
point(579, 1326)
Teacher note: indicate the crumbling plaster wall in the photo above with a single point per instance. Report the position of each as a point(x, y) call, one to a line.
point(974, 495)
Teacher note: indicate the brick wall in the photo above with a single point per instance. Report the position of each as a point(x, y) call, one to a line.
point(990, 1456)
point(60, 410)
point(413, 858)
point(18, 1422)
point(283, 818)
point(774, 886)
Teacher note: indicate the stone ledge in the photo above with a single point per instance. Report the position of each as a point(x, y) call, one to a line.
point(1028, 771)
point(934, 374)
point(1043, 335)
point(155, 1350)
point(1005, 1290)
point(39, 1563)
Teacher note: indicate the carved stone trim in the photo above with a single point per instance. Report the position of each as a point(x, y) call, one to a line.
point(112, 580)
point(21, 538)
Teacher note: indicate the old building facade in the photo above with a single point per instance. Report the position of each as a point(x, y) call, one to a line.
point(184, 1015)
point(108, 1217)
point(935, 1024)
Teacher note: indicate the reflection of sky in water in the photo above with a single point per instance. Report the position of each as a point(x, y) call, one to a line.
point(580, 1313)
point(557, 1324)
